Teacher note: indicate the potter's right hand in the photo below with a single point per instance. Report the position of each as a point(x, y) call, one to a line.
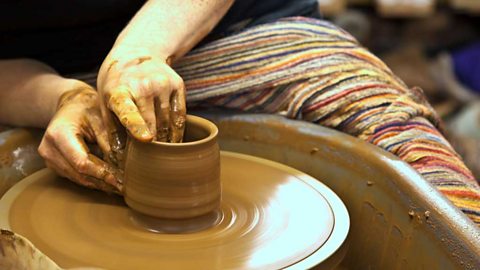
point(63, 146)
point(146, 96)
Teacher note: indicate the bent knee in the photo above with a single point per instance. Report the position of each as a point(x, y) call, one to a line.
point(303, 27)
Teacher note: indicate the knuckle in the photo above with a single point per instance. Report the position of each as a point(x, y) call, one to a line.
point(118, 93)
point(43, 150)
point(54, 132)
point(49, 135)
point(180, 87)
point(81, 165)
point(176, 80)
point(161, 82)
point(146, 92)
point(179, 83)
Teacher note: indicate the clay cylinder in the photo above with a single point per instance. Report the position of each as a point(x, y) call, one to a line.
point(175, 180)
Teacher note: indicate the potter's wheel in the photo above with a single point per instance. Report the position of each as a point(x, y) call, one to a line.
point(273, 217)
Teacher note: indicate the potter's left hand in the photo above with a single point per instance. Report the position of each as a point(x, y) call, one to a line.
point(63, 146)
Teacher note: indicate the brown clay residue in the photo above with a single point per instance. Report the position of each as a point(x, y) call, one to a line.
point(142, 59)
point(6, 233)
point(6, 239)
point(6, 160)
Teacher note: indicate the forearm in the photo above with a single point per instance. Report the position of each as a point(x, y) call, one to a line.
point(168, 29)
point(29, 91)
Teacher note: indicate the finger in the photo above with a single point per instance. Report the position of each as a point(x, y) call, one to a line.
point(146, 107)
point(116, 136)
point(61, 170)
point(162, 111)
point(121, 103)
point(99, 130)
point(66, 171)
point(178, 116)
point(74, 150)
point(56, 161)
point(102, 185)
point(116, 181)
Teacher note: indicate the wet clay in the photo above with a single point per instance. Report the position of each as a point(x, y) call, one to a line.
point(18, 156)
point(272, 217)
point(17, 253)
point(175, 180)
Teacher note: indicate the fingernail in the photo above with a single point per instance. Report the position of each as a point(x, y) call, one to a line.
point(144, 134)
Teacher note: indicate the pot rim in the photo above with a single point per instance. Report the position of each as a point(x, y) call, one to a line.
point(204, 123)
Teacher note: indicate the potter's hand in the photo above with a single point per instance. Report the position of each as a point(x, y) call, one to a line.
point(147, 97)
point(63, 146)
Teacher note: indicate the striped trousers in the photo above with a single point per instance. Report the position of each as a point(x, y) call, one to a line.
point(311, 70)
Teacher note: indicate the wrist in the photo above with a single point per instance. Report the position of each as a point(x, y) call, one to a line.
point(119, 60)
point(62, 87)
point(77, 91)
point(127, 55)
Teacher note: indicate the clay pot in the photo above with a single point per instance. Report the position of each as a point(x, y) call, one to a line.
point(175, 180)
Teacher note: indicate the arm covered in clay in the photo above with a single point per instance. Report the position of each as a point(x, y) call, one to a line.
point(137, 84)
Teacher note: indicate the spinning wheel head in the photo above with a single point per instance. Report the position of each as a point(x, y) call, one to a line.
point(272, 217)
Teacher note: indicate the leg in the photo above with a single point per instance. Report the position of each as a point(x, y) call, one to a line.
point(311, 70)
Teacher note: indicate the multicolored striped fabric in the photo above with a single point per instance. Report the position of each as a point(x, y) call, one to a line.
point(311, 70)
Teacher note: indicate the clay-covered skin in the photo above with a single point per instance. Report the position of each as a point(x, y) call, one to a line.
point(166, 122)
point(18, 156)
point(137, 85)
point(175, 180)
point(77, 121)
point(17, 253)
point(129, 104)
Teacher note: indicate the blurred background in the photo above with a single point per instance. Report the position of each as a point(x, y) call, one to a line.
point(431, 44)
point(434, 45)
